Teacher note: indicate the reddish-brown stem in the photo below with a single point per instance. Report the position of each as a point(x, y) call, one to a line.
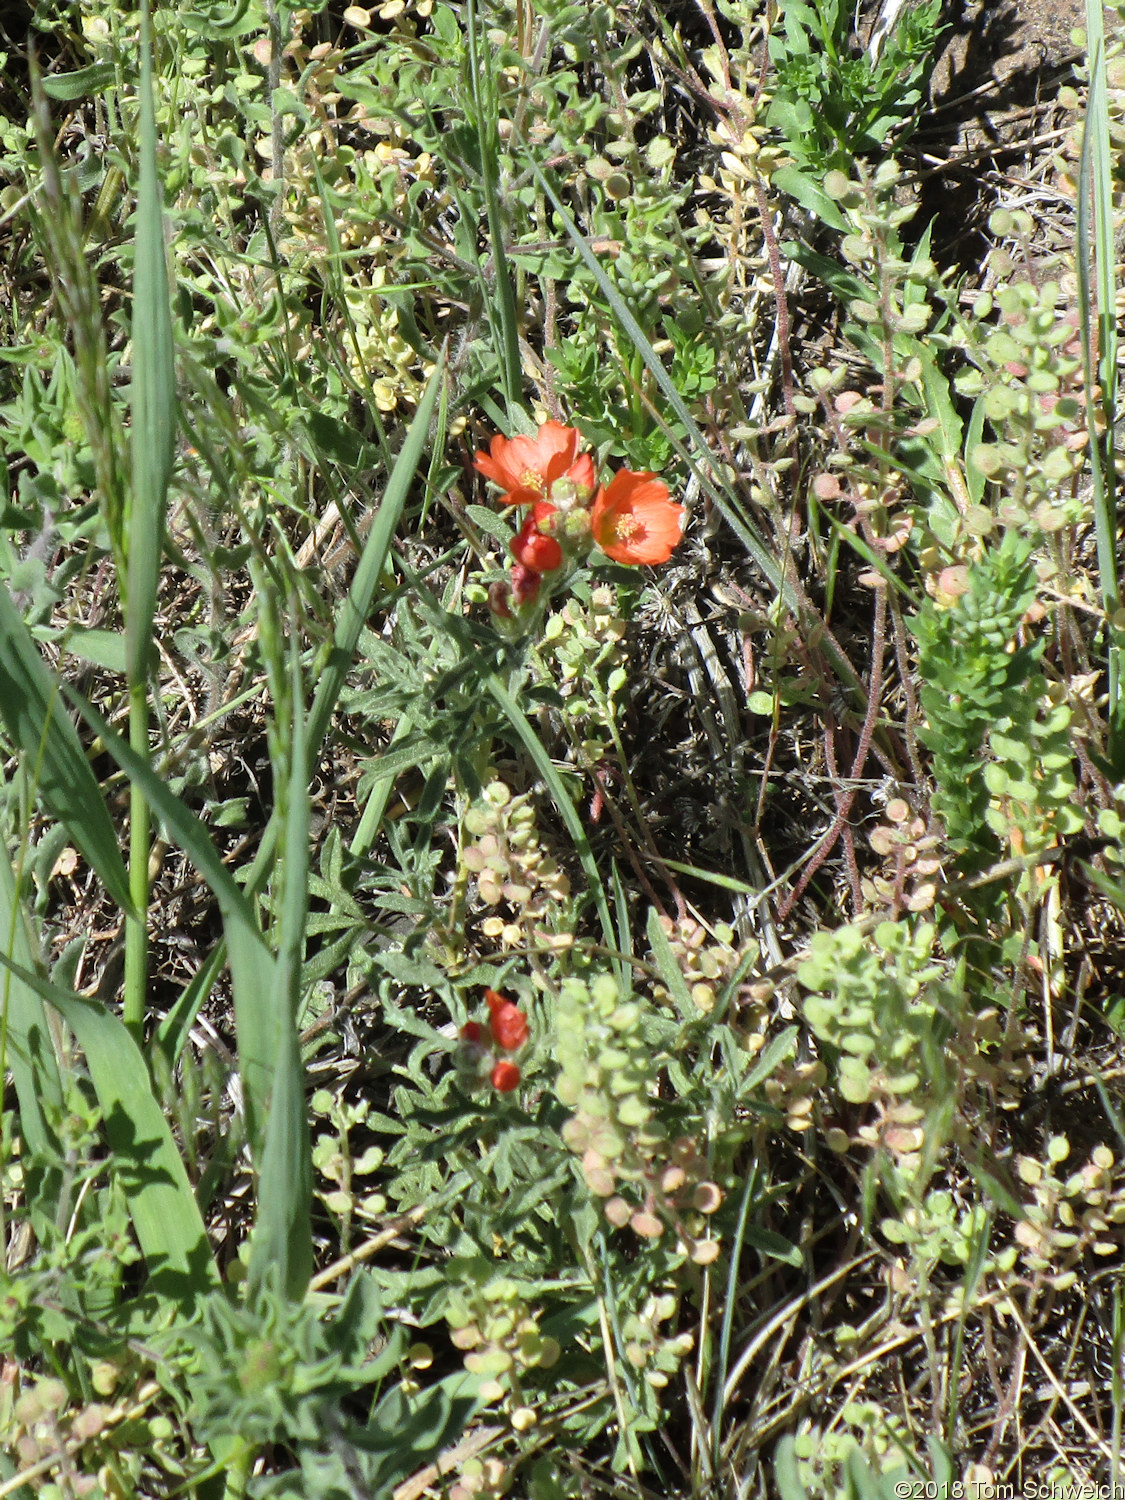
point(847, 797)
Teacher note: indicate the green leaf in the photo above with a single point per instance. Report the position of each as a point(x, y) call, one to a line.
point(26, 1046)
point(785, 1471)
point(1098, 321)
point(153, 389)
point(490, 522)
point(218, 24)
point(283, 1231)
point(176, 1025)
point(83, 84)
point(773, 1054)
point(712, 877)
point(169, 1226)
point(282, 1237)
point(670, 971)
point(56, 763)
point(343, 444)
point(500, 295)
point(996, 1190)
point(105, 648)
point(806, 191)
point(252, 973)
point(773, 1244)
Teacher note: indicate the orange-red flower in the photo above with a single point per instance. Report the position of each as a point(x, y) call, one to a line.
point(505, 1077)
point(526, 468)
point(509, 1024)
point(634, 521)
point(542, 554)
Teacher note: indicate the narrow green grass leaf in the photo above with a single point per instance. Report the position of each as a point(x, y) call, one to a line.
point(283, 1229)
point(153, 408)
point(1096, 248)
point(522, 726)
point(670, 971)
point(998, 1191)
point(974, 1269)
point(782, 1044)
point(730, 1302)
point(82, 84)
point(357, 606)
point(26, 1047)
point(374, 809)
point(624, 932)
point(774, 1245)
point(724, 882)
point(174, 1028)
point(41, 732)
point(282, 1236)
point(153, 387)
point(57, 215)
point(251, 965)
point(500, 297)
point(169, 1226)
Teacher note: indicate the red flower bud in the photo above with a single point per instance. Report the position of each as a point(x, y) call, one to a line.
point(509, 1024)
point(471, 1031)
point(505, 1077)
point(536, 551)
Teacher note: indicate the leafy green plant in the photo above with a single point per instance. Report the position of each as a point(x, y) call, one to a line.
point(607, 1078)
point(981, 689)
point(834, 101)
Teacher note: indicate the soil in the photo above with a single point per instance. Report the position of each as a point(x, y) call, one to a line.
point(1015, 45)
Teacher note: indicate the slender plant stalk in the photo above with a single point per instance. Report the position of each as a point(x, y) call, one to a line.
point(136, 928)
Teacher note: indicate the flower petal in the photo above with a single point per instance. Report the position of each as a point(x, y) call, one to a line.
point(534, 550)
point(526, 468)
point(634, 521)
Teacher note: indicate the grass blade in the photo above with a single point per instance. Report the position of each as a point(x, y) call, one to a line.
point(174, 1029)
point(283, 1231)
point(251, 966)
point(153, 400)
point(153, 389)
point(522, 725)
point(357, 606)
point(60, 229)
point(26, 1045)
point(41, 732)
point(730, 1303)
point(1095, 187)
point(500, 294)
point(169, 1226)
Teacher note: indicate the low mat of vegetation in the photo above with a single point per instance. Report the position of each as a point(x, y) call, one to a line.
point(563, 750)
